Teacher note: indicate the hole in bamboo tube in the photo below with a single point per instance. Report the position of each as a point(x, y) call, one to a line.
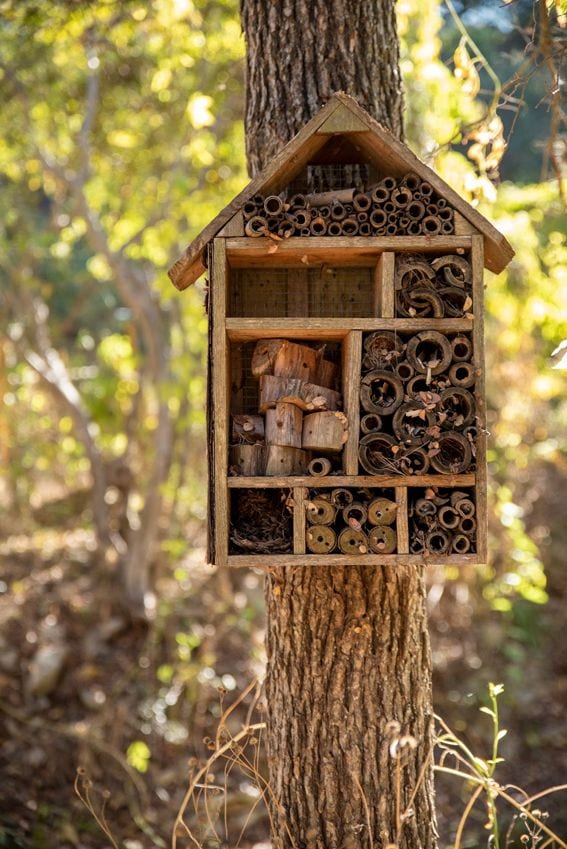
point(279, 424)
point(305, 365)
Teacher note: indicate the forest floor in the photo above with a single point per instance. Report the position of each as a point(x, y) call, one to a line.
point(81, 686)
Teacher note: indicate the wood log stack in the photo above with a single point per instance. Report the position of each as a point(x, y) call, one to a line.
point(393, 206)
point(351, 521)
point(293, 379)
point(418, 407)
point(442, 521)
point(433, 288)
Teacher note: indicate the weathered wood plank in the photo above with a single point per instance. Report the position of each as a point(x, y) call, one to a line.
point(479, 364)
point(332, 329)
point(352, 355)
point(402, 522)
point(384, 295)
point(372, 481)
point(221, 400)
point(299, 497)
point(269, 561)
point(234, 227)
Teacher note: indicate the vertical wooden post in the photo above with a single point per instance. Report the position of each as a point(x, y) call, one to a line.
point(221, 401)
point(384, 296)
point(402, 522)
point(477, 257)
point(352, 356)
point(299, 498)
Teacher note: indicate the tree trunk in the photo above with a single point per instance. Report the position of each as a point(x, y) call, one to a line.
point(298, 52)
point(349, 667)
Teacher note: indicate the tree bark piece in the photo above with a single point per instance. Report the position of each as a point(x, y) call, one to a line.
point(326, 431)
point(248, 428)
point(307, 396)
point(284, 425)
point(249, 460)
point(283, 460)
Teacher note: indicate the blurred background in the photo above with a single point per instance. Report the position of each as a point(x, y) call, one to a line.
point(119, 646)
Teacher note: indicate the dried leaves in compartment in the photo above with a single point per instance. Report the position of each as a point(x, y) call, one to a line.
point(262, 521)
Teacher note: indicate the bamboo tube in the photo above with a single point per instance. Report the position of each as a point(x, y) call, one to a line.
point(325, 212)
point(248, 460)
point(305, 231)
point(444, 213)
point(298, 201)
point(320, 511)
point(353, 542)
point(318, 227)
point(302, 218)
point(464, 506)
point(454, 455)
point(364, 229)
point(325, 431)
point(391, 230)
point(462, 374)
point(342, 497)
point(461, 348)
point(283, 425)
point(382, 540)
point(447, 227)
point(448, 517)
point(467, 525)
point(355, 512)
point(401, 196)
point(349, 227)
point(371, 423)
point(461, 544)
point(286, 229)
point(410, 428)
point(380, 194)
point(381, 392)
point(362, 202)
point(415, 210)
point(249, 209)
point(389, 207)
point(334, 229)
point(412, 181)
point(414, 228)
point(404, 370)
point(361, 217)
point(427, 347)
point(320, 539)
point(437, 541)
point(256, 226)
point(338, 212)
point(378, 218)
point(375, 453)
point(403, 222)
point(415, 462)
point(426, 189)
point(273, 205)
point(431, 225)
point(319, 467)
point(441, 203)
point(382, 511)
point(425, 507)
point(459, 406)
point(284, 460)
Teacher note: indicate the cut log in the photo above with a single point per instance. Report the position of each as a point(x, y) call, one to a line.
point(382, 511)
point(306, 396)
point(248, 428)
point(248, 460)
point(284, 425)
point(327, 431)
point(328, 198)
point(382, 540)
point(320, 511)
point(296, 361)
point(353, 542)
point(326, 372)
point(283, 460)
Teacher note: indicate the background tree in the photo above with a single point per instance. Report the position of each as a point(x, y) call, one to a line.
point(348, 681)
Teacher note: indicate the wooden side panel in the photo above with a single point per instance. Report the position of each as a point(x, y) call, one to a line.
point(402, 525)
point(221, 401)
point(378, 560)
point(384, 286)
point(234, 227)
point(477, 255)
point(299, 497)
point(352, 355)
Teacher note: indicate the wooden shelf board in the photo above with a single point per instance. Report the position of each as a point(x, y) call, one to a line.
point(266, 560)
point(332, 329)
point(344, 250)
point(332, 481)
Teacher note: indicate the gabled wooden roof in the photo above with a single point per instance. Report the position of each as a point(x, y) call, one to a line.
point(341, 116)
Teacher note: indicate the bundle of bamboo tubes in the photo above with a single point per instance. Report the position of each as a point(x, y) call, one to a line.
point(419, 410)
point(442, 521)
point(436, 288)
point(353, 521)
point(392, 207)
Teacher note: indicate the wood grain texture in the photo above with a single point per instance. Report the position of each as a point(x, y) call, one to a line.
point(402, 522)
point(299, 497)
point(480, 397)
point(356, 480)
point(239, 561)
point(221, 401)
point(384, 286)
point(333, 329)
point(352, 356)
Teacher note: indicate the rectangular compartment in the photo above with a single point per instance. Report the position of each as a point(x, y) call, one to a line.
point(443, 523)
point(351, 521)
point(432, 286)
point(261, 522)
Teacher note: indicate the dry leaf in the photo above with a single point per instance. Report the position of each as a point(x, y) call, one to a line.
point(467, 304)
point(362, 549)
point(354, 524)
point(272, 248)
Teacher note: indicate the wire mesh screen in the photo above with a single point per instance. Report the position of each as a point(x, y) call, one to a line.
point(302, 293)
point(324, 178)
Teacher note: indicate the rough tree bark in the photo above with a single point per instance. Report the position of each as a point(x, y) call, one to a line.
point(349, 667)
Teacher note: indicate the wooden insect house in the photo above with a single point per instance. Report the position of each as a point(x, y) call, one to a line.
point(346, 383)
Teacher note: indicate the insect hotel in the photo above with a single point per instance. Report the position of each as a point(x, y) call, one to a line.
point(346, 384)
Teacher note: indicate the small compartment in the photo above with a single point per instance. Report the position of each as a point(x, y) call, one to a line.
point(442, 522)
point(418, 407)
point(351, 521)
point(322, 292)
point(286, 408)
point(261, 521)
point(433, 287)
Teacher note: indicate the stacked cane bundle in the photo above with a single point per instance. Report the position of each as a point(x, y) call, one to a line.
point(293, 379)
point(419, 413)
point(336, 520)
point(442, 521)
point(436, 288)
point(392, 207)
